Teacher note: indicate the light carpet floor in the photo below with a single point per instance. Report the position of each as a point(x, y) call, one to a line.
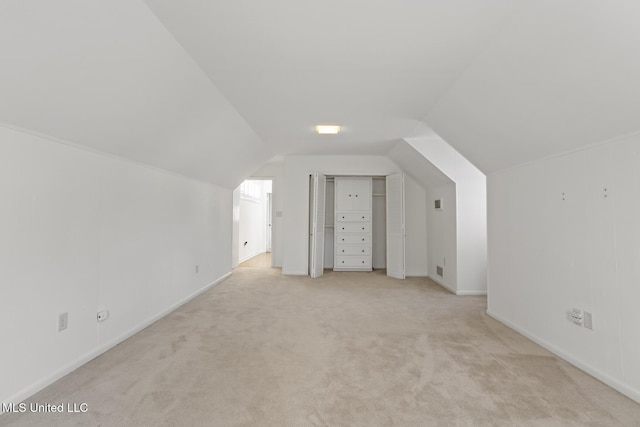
point(261, 260)
point(348, 349)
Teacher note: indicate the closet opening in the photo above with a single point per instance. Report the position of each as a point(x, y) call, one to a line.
point(351, 222)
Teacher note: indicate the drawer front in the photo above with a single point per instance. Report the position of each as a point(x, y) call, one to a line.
point(352, 250)
point(340, 217)
point(362, 239)
point(353, 261)
point(353, 227)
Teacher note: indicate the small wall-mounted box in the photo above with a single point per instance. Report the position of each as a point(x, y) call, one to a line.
point(437, 204)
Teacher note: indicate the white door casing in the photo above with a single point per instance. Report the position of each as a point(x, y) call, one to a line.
point(316, 238)
point(269, 221)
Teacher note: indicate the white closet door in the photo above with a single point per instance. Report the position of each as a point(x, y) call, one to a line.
point(316, 241)
point(395, 226)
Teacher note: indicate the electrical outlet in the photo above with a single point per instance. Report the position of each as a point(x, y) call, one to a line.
point(588, 320)
point(63, 321)
point(103, 315)
point(576, 316)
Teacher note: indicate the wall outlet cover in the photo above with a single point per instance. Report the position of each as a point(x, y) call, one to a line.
point(588, 320)
point(63, 321)
point(103, 315)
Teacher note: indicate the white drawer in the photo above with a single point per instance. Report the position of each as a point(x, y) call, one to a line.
point(353, 217)
point(353, 261)
point(363, 239)
point(352, 250)
point(353, 227)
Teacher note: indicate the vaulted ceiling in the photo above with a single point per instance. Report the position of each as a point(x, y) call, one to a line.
point(212, 89)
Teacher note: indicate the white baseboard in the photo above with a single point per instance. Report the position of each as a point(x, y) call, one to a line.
point(248, 257)
point(460, 293)
point(294, 272)
point(444, 285)
point(112, 343)
point(623, 388)
point(471, 293)
point(100, 349)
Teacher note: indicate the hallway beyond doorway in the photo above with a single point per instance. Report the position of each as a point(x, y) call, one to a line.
point(262, 260)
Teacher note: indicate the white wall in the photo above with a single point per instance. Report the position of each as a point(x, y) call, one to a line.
point(251, 234)
point(559, 240)
point(471, 228)
point(81, 232)
point(441, 230)
point(416, 228)
point(296, 179)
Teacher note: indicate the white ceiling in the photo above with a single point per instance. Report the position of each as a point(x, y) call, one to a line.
point(213, 89)
point(417, 166)
point(374, 66)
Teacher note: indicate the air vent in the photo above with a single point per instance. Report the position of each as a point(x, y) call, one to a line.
point(439, 271)
point(437, 204)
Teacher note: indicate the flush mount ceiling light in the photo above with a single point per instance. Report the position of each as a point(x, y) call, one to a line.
point(327, 129)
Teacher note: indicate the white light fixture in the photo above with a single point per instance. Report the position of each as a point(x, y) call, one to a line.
point(327, 129)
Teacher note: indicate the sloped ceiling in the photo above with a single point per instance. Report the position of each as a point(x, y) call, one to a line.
point(375, 66)
point(108, 75)
point(213, 89)
point(561, 75)
point(417, 166)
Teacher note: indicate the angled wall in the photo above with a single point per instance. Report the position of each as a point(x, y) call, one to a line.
point(109, 76)
point(558, 76)
point(463, 188)
point(440, 225)
point(442, 235)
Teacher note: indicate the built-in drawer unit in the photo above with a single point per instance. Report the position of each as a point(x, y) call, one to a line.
point(349, 239)
point(353, 227)
point(353, 201)
point(353, 250)
point(364, 217)
point(353, 261)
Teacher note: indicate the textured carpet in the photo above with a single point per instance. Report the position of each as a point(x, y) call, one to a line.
point(348, 349)
point(261, 260)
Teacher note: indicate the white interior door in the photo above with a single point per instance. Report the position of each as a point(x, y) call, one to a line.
point(395, 226)
point(269, 221)
point(317, 217)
